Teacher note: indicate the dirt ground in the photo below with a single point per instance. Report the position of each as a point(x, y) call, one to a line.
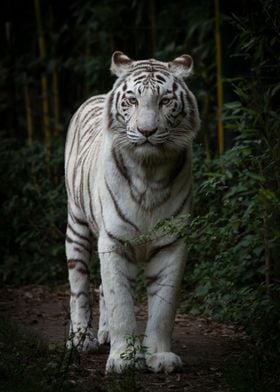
point(205, 347)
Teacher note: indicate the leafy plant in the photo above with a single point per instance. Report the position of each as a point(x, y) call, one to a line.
point(135, 352)
point(134, 355)
point(34, 213)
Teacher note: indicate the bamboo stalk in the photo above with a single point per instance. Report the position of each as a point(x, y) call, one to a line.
point(55, 85)
point(268, 264)
point(56, 103)
point(152, 16)
point(45, 108)
point(220, 93)
point(267, 256)
point(56, 113)
point(44, 80)
point(205, 114)
point(87, 54)
point(29, 115)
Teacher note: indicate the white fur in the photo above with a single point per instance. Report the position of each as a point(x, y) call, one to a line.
point(121, 204)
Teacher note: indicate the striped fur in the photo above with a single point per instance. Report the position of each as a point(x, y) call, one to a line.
point(128, 165)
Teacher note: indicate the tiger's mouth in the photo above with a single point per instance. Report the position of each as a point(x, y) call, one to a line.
point(147, 143)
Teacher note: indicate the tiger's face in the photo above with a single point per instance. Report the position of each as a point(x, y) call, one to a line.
point(150, 107)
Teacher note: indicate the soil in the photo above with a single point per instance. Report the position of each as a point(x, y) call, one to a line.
point(206, 347)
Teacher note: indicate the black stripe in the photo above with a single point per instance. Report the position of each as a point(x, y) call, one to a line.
point(160, 78)
point(109, 110)
point(174, 87)
point(82, 293)
point(149, 65)
point(155, 251)
point(77, 295)
point(85, 147)
point(124, 172)
point(72, 144)
point(77, 234)
point(101, 207)
point(71, 241)
point(79, 250)
point(81, 190)
point(78, 261)
point(125, 249)
point(153, 278)
point(120, 117)
point(118, 209)
point(90, 115)
point(191, 108)
point(183, 103)
point(80, 222)
point(99, 98)
point(73, 183)
point(75, 219)
point(139, 71)
point(139, 78)
point(90, 201)
point(117, 99)
point(120, 165)
point(85, 133)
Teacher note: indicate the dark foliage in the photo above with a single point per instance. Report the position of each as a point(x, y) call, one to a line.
point(33, 212)
point(233, 240)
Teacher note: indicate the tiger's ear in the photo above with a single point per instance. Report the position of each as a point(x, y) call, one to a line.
point(181, 66)
point(120, 63)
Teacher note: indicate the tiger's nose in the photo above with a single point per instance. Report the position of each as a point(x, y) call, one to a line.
point(147, 132)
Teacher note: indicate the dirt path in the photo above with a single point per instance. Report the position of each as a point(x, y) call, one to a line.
point(204, 346)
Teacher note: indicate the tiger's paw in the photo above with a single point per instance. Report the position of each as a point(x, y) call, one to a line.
point(116, 364)
point(165, 362)
point(83, 340)
point(103, 336)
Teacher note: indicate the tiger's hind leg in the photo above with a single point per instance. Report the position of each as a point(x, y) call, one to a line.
point(103, 330)
point(78, 248)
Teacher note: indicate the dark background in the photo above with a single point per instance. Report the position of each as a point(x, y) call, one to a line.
point(55, 54)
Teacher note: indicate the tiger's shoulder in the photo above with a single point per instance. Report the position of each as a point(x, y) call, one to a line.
point(87, 122)
point(90, 112)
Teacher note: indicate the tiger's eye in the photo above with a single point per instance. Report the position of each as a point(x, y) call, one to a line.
point(132, 100)
point(165, 101)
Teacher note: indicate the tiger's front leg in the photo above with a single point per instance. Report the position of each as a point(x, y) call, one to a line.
point(81, 334)
point(164, 274)
point(117, 271)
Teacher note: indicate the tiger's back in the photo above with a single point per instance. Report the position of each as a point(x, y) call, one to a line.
point(84, 132)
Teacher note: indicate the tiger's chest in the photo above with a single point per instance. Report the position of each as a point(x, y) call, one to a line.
point(128, 208)
point(124, 201)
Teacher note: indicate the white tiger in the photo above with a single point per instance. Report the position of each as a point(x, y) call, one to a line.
point(128, 166)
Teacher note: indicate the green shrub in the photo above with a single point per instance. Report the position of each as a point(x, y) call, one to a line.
point(33, 211)
point(226, 239)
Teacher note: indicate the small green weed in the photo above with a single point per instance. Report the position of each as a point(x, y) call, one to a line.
point(28, 364)
point(135, 357)
point(135, 352)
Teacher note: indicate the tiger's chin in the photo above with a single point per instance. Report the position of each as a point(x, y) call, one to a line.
point(149, 153)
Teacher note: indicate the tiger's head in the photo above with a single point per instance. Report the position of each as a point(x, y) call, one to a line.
point(150, 108)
